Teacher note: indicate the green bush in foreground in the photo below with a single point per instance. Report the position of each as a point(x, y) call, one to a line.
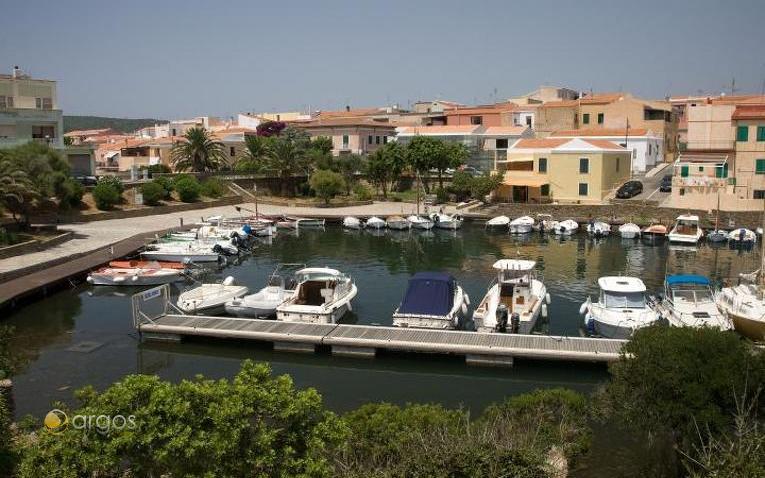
point(106, 196)
point(188, 188)
point(167, 184)
point(213, 188)
point(153, 193)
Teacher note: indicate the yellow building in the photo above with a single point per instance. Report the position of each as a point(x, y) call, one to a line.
point(749, 127)
point(29, 111)
point(566, 170)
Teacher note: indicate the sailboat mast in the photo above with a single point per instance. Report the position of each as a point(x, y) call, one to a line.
point(417, 197)
point(762, 248)
point(717, 217)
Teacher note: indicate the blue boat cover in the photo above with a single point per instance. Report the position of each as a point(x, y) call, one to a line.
point(687, 279)
point(429, 293)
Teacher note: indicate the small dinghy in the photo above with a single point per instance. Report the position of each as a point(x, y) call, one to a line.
point(433, 300)
point(350, 222)
point(498, 222)
point(545, 223)
point(398, 223)
point(419, 222)
point(629, 231)
point(135, 276)
point(566, 228)
point(375, 222)
point(742, 236)
point(521, 225)
point(445, 221)
point(322, 296)
point(147, 265)
point(654, 233)
point(598, 229)
point(717, 236)
point(622, 308)
point(210, 298)
point(182, 252)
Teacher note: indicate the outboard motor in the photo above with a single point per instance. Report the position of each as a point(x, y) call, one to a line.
point(590, 322)
point(217, 248)
point(501, 315)
point(247, 229)
point(515, 322)
point(741, 235)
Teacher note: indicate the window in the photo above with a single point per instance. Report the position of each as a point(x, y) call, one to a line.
point(174, 133)
point(701, 169)
point(385, 140)
point(584, 189)
point(761, 133)
point(47, 103)
point(759, 194)
point(650, 149)
point(584, 165)
point(634, 153)
point(502, 143)
point(742, 133)
point(377, 140)
point(38, 103)
point(601, 118)
point(369, 139)
point(542, 167)
point(345, 141)
point(232, 151)
point(528, 121)
point(43, 132)
point(544, 190)
point(759, 167)
point(586, 118)
point(6, 102)
point(476, 120)
point(278, 117)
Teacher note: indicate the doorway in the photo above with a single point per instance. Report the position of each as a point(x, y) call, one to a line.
point(520, 193)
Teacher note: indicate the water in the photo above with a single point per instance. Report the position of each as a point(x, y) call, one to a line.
point(98, 319)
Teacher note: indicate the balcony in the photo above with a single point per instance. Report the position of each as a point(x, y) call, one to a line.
point(699, 181)
point(714, 145)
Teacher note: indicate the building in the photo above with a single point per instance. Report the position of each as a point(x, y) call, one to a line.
point(564, 170)
point(499, 114)
point(646, 147)
point(545, 94)
point(749, 125)
point(434, 106)
point(29, 111)
point(143, 153)
point(89, 135)
point(234, 140)
point(350, 135)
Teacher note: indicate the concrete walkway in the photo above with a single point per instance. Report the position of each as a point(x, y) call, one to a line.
point(91, 236)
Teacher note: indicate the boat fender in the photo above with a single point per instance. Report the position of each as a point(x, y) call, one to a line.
point(89, 279)
point(547, 298)
point(228, 280)
point(134, 278)
point(590, 325)
point(463, 309)
point(544, 311)
point(467, 299)
point(119, 279)
point(583, 308)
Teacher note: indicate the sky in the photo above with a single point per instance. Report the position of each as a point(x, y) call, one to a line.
point(176, 59)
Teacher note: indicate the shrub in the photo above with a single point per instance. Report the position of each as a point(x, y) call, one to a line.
point(153, 192)
point(442, 195)
point(188, 188)
point(167, 184)
point(213, 188)
point(362, 192)
point(327, 184)
point(114, 182)
point(105, 195)
point(69, 193)
point(159, 168)
point(247, 166)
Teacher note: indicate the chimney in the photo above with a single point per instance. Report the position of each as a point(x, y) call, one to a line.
point(347, 107)
point(16, 71)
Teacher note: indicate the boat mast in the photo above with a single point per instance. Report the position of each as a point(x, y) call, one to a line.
point(717, 218)
point(762, 248)
point(417, 187)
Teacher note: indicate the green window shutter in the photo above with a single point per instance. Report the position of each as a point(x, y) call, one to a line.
point(601, 118)
point(545, 190)
point(684, 170)
point(586, 118)
point(761, 133)
point(759, 166)
point(742, 133)
point(725, 172)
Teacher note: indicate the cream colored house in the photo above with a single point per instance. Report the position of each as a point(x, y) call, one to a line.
point(29, 111)
point(565, 170)
point(350, 135)
point(749, 125)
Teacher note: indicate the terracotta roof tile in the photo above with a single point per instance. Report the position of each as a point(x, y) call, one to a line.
point(438, 130)
point(605, 144)
point(749, 111)
point(541, 143)
point(600, 132)
point(329, 122)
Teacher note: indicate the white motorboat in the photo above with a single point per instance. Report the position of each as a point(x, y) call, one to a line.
point(629, 231)
point(566, 228)
point(210, 299)
point(742, 236)
point(182, 252)
point(150, 274)
point(446, 221)
point(598, 229)
point(545, 223)
point(398, 223)
point(521, 225)
point(744, 305)
point(689, 302)
point(419, 222)
point(717, 235)
point(654, 233)
point(498, 222)
point(307, 222)
point(322, 296)
point(375, 222)
point(686, 230)
point(350, 222)
point(514, 301)
point(433, 300)
point(622, 308)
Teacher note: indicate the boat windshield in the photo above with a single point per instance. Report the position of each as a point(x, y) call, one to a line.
point(506, 275)
point(623, 300)
point(692, 294)
point(317, 276)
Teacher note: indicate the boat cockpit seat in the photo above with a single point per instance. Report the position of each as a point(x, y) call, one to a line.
point(327, 294)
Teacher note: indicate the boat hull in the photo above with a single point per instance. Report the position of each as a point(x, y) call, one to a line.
point(327, 317)
point(398, 225)
point(520, 228)
point(750, 328)
point(179, 256)
point(137, 280)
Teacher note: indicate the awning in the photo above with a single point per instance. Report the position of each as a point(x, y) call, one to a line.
point(521, 181)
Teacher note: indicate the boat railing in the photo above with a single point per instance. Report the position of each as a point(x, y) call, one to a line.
point(151, 304)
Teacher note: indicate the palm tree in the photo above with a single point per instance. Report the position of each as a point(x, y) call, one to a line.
point(198, 152)
point(256, 151)
point(15, 187)
point(288, 155)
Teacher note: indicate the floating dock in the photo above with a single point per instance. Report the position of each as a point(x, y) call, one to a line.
point(365, 340)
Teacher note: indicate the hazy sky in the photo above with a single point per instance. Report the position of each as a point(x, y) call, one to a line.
point(173, 59)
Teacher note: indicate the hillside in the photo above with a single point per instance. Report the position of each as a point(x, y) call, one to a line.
point(126, 125)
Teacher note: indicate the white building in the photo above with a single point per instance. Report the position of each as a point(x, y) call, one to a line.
point(647, 147)
point(29, 111)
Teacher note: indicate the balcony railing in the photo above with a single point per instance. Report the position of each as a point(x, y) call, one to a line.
point(724, 144)
point(699, 181)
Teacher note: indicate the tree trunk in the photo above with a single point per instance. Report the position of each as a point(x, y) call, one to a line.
point(385, 190)
point(440, 179)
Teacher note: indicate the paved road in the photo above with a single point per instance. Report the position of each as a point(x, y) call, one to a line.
point(651, 187)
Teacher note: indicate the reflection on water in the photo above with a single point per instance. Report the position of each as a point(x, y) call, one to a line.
point(380, 262)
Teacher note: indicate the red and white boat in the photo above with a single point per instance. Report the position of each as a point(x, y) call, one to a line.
point(135, 264)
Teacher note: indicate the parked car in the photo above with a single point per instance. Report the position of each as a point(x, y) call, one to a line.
point(666, 184)
point(87, 180)
point(471, 171)
point(629, 189)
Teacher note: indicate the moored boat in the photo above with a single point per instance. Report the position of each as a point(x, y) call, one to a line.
point(598, 229)
point(210, 298)
point(566, 228)
point(744, 305)
point(398, 223)
point(742, 236)
point(135, 276)
point(545, 223)
point(514, 301)
point(629, 230)
point(147, 265)
point(322, 295)
point(689, 302)
point(686, 230)
point(498, 222)
point(717, 236)
point(521, 225)
point(375, 222)
point(654, 233)
point(433, 300)
point(182, 252)
point(446, 221)
point(621, 308)
point(350, 222)
point(419, 222)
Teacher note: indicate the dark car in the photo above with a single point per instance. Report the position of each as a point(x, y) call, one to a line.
point(629, 189)
point(666, 184)
point(87, 180)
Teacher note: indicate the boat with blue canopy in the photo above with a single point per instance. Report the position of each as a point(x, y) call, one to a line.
point(433, 300)
point(689, 302)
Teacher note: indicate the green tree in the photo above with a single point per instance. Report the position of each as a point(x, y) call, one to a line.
point(255, 154)
point(682, 380)
point(322, 144)
point(253, 425)
point(188, 188)
point(482, 186)
point(288, 156)
point(327, 184)
point(153, 193)
point(198, 152)
point(452, 156)
point(349, 166)
point(423, 153)
point(105, 196)
point(68, 141)
point(378, 172)
point(461, 185)
point(15, 185)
